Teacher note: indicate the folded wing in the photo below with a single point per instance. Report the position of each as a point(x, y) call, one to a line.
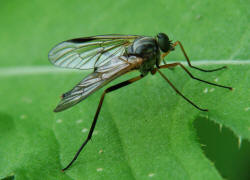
point(112, 69)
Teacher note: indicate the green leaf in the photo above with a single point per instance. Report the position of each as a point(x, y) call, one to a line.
point(144, 130)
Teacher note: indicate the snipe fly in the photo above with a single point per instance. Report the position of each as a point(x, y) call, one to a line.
point(111, 56)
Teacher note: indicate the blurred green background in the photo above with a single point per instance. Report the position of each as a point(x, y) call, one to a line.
point(209, 30)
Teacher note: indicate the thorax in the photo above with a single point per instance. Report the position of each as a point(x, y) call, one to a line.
point(146, 48)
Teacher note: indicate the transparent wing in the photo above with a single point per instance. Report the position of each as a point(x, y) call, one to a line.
point(89, 52)
point(114, 68)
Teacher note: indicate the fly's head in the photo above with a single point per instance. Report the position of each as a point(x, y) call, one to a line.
point(164, 43)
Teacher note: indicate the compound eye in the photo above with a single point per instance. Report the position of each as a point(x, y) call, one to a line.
point(163, 42)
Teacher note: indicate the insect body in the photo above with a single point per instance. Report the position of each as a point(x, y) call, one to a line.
point(112, 56)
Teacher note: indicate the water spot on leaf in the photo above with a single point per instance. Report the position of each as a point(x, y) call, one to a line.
point(79, 121)
point(58, 121)
point(205, 90)
point(99, 169)
point(220, 127)
point(84, 130)
point(23, 116)
point(247, 108)
point(100, 151)
point(216, 79)
point(151, 174)
point(239, 141)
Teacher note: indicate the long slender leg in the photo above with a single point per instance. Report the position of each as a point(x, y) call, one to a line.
point(110, 89)
point(178, 92)
point(188, 61)
point(189, 73)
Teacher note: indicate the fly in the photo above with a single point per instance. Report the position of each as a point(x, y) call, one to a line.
point(111, 56)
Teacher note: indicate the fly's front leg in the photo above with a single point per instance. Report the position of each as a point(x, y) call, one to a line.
point(187, 59)
point(190, 65)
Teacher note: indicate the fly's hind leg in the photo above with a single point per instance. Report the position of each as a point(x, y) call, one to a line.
point(110, 89)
